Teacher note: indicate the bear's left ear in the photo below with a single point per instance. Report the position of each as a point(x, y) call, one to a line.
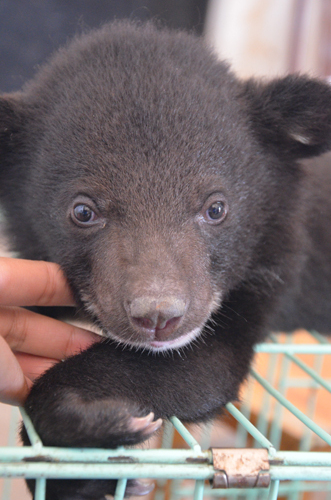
point(291, 115)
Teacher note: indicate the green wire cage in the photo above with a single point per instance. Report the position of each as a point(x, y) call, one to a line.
point(275, 443)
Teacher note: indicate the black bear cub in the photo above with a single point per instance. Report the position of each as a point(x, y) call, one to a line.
point(171, 194)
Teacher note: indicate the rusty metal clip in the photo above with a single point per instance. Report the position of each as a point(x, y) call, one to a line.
point(240, 468)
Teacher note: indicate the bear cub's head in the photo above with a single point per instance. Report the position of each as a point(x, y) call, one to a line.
point(155, 178)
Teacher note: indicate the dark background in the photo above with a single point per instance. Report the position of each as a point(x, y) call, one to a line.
point(30, 30)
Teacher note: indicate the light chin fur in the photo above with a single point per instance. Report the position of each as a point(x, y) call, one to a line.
point(181, 341)
point(158, 346)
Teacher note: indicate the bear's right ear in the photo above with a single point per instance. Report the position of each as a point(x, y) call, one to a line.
point(12, 126)
point(291, 115)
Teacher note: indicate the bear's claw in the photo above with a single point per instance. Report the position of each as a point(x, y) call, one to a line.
point(146, 425)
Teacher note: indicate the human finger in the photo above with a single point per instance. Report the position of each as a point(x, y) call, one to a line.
point(34, 366)
point(31, 333)
point(33, 283)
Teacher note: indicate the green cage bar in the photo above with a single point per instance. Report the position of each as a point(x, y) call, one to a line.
point(291, 472)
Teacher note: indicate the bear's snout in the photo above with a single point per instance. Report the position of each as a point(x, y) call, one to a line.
point(150, 287)
point(156, 317)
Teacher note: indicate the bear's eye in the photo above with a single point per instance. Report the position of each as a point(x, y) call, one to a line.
point(216, 211)
point(83, 215)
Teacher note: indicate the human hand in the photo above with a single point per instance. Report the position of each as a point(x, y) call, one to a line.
point(31, 343)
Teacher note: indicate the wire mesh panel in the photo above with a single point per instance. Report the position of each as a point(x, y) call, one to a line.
point(283, 419)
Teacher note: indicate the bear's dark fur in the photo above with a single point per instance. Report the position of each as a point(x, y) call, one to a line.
point(171, 194)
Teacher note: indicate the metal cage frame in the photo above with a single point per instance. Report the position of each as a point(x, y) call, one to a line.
point(229, 469)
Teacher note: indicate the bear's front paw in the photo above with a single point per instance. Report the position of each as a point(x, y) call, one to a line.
point(72, 421)
point(122, 428)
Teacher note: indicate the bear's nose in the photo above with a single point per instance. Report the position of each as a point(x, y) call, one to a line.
point(162, 316)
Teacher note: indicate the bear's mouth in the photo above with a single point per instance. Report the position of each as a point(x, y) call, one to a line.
point(164, 345)
point(158, 345)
